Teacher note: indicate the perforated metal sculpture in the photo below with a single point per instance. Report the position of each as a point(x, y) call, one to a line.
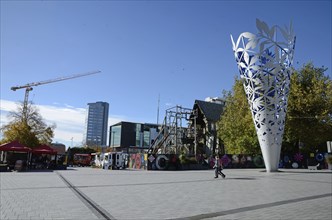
point(264, 61)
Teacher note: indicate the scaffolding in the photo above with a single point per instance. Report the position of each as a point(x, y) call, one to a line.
point(178, 133)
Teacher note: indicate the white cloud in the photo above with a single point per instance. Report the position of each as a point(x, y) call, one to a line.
point(113, 119)
point(168, 104)
point(7, 105)
point(70, 121)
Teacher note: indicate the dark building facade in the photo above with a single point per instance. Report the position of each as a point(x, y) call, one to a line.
point(208, 114)
point(132, 137)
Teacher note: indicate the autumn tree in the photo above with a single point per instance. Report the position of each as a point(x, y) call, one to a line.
point(30, 130)
point(309, 114)
point(236, 128)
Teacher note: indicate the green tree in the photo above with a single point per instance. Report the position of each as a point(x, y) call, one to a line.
point(30, 131)
point(309, 113)
point(236, 128)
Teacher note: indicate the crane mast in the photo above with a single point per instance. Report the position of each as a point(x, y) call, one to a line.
point(28, 87)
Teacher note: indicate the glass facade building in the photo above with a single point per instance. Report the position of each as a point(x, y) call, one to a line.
point(132, 137)
point(97, 124)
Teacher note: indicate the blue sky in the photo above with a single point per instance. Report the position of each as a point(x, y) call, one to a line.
point(178, 49)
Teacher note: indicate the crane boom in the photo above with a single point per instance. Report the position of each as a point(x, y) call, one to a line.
point(28, 87)
point(14, 88)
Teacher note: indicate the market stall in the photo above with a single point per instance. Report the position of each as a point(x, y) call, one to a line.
point(43, 157)
point(14, 155)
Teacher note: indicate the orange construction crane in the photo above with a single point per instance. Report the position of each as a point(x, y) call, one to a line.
point(28, 87)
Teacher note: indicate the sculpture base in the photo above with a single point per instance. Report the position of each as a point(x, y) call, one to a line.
point(271, 155)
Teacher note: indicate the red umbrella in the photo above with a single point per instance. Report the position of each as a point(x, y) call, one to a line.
point(44, 149)
point(14, 146)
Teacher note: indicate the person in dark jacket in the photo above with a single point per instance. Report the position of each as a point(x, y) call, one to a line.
point(218, 168)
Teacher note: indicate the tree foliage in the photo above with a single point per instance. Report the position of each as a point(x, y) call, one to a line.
point(236, 128)
point(30, 131)
point(309, 114)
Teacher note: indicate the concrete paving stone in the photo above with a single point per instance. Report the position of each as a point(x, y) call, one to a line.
point(316, 209)
point(132, 194)
point(46, 199)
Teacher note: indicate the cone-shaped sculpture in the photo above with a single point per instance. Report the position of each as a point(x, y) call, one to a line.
point(264, 61)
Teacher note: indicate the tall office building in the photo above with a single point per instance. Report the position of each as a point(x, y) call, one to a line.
point(96, 124)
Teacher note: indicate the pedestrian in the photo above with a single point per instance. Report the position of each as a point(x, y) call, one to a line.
point(218, 168)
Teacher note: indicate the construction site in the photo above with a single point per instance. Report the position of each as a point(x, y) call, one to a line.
point(189, 133)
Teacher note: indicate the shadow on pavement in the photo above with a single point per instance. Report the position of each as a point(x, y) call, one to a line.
point(241, 178)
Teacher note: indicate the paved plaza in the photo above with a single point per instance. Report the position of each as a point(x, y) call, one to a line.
point(87, 193)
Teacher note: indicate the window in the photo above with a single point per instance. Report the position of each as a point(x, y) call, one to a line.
point(115, 136)
point(138, 135)
point(146, 139)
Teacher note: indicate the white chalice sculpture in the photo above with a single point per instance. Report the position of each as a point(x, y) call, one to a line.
point(264, 61)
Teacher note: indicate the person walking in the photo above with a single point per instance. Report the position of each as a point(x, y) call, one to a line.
point(218, 168)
